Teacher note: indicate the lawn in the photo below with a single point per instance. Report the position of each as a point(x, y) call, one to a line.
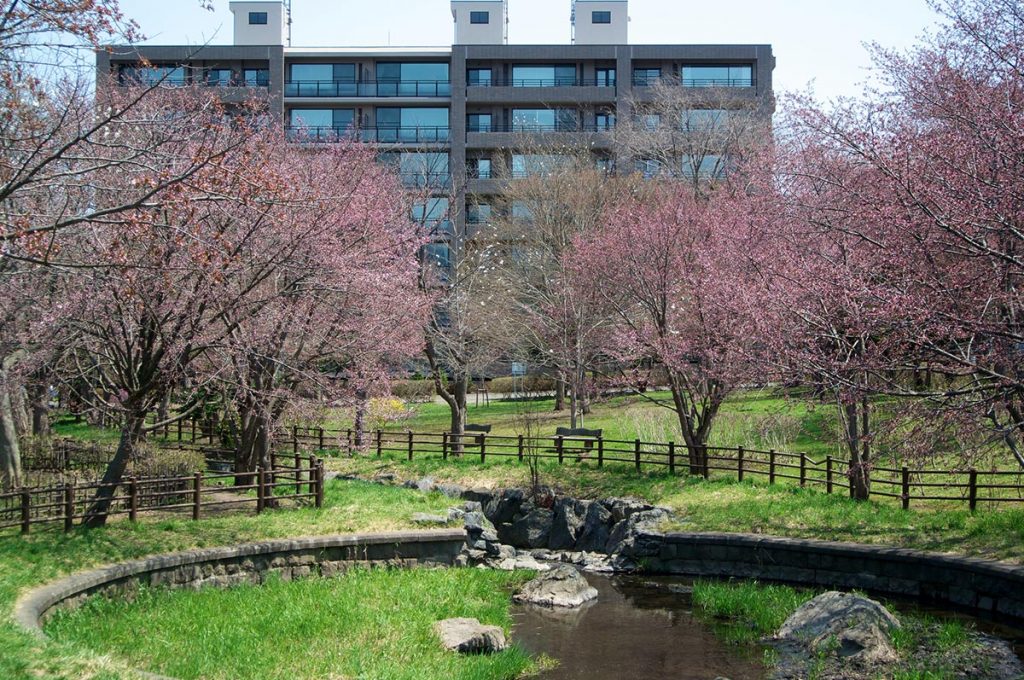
point(371, 624)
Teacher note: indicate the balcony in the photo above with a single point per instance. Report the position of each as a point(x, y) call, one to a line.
point(544, 82)
point(377, 135)
point(694, 82)
point(371, 88)
point(550, 91)
point(499, 136)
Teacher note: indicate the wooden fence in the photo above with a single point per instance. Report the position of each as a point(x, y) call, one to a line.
point(62, 504)
point(831, 474)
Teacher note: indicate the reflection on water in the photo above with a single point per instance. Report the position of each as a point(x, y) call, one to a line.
point(634, 631)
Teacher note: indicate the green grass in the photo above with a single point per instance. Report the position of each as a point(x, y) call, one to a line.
point(373, 624)
point(743, 612)
point(32, 560)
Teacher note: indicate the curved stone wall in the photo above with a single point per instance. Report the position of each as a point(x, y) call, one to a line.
point(249, 563)
point(994, 590)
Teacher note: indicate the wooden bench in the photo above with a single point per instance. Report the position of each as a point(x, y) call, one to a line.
point(478, 440)
point(579, 434)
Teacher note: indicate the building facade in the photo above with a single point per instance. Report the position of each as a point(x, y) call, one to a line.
point(453, 119)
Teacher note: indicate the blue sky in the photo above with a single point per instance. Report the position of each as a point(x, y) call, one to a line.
point(813, 40)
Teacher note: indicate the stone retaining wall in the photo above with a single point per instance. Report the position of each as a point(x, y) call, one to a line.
point(250, 563)
point(987, 588)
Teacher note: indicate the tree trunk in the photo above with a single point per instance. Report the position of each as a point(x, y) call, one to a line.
point(10, 453)
point(360, 419)
point(164, 410)
point(131, 434)
point(255, 440)
point(857, 429)
point(40, 399)
point(559, 392)
point(457, 390)
point(19, 409)
point(574, 404)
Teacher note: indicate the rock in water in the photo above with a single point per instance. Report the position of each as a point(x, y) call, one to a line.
point(563, 586)
point(469, 636)
point(855, 628)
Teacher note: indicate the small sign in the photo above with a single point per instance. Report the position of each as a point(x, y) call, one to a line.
point(518, 368)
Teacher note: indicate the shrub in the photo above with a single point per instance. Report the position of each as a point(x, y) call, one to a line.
point(150, 461)
point(413, 390)
point(530, 383)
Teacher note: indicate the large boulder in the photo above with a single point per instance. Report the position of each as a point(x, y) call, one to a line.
point(566, 523)
point(622, 508)
point(503, 508)
point(562, 586)
point(596, 528)
point(469, 636)
point(854, 628)
point(627, 536)
point(528, 531)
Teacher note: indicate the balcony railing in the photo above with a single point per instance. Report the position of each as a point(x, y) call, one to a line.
point(432, 180)
point(693, 82)
point(539, 128)
point(371, 88)
point(380, 135)
point(545, 82)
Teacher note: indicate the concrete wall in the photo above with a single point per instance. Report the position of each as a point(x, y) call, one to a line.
point(250, 563)
point(491, 33)
point(985, 588)
point(586, 32)
point(271, 33)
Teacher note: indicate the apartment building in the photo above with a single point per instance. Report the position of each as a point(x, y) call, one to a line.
point(453, 119)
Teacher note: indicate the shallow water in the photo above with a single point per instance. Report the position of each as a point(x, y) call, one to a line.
point(643, 627)
point(635, 630)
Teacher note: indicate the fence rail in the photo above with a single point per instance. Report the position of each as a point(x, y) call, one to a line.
point(831, 474)
point(292, 477)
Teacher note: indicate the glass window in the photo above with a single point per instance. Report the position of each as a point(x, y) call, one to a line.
point(544, 119)
point(412, 124)
point(437, 261)
point(644, 77)
point(478, 213)
point(479, 17)
point(256, 77)
point(601, 17)
point(705, 119)
point(718, 75)
point(430, 210)
point(649, 121)
point(151, 75)
point(257, 18)
point(605, 121)
point(524, 165)
point(412, 79)
point(521, 211)
point(479, 76)
point(219, 77)
point(321, 122)
point(312, 72)
point(648, 167)
point(543, 76)
point(480, 168)
point(606, 77)
point(708, 165)
point(478, 122)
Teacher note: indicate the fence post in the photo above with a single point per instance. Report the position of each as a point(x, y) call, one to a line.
point(559, 448)
point(311, 488)
point(167, 430)
point(295, 441)
point(828, 474)
point(705, 462)
point(133, 499)
point(197, 495)
point(210, 426)
point(739, 463)
point(298, 474)
point(320, 439)
point(905, 473)
point(520, 449)
point(803, 470)
point(444, 445)
point(671, 458)
point(410, 444)
point(600, 452)
point(348, 441)
point(193, 430)
point(260, 490)
point(771, 466)
point(320, 484)
point(69, 507)
point(179, 429)
point(972, 489)
point(483, 447)
point(26, 510)
point(636, 454)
